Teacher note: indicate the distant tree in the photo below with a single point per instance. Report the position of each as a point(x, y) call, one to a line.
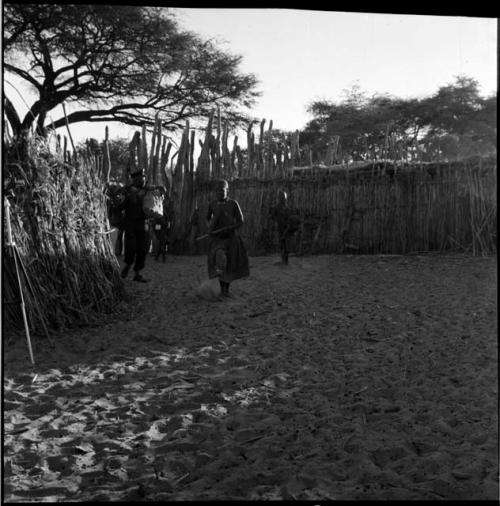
point(454, 122)
point(459, 121)
point(119, 63)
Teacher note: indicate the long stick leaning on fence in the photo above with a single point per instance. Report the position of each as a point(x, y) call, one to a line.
point(15, 254)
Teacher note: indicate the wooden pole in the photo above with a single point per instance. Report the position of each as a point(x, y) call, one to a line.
point(12, 246)
point(270, 150)
point(260, 156)
point(203, 169)
point(226, 171)
point(151, 169)
point(250, 141)
point(156, 158)
point(67, 126)
point(191, 153)
point(234, 169)
point(241, 161)
point(107, 159)
point(143, 151)
point(164, 164)
point(295, 149)
point(254, 156)
point(65, 149)
point(177, 187)
point(216, 146)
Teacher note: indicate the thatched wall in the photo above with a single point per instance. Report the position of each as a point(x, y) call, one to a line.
point(59, 225)
point(433, 208)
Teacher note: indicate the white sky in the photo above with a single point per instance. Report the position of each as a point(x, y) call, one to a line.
point(300, 56)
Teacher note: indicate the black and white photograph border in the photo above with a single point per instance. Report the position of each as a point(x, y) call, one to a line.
point(357, 359)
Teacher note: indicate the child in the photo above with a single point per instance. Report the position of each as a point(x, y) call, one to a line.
point(288, 224)
point(161, 229)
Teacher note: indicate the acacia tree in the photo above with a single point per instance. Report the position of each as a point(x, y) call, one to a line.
point(455, 121)
point(460, 121)
point(118, 63)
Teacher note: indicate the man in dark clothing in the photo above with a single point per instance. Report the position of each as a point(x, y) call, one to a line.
point(287, 225)
point(136, 233)
point(227, 256)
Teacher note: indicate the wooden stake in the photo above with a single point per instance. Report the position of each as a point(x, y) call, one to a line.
point(156, 157)
point(143, 151)
point(270, 167)
point(107, 159)
point(250, 142)
point(151, 167)
point(12, 246)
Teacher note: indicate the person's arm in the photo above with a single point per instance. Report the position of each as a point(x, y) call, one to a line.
point(208, 218)
point(238, 215)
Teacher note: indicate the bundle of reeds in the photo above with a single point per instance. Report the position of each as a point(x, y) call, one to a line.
point(60, 226)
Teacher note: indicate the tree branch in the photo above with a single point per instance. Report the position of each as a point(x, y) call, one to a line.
point(11, 113)
point(23, 74)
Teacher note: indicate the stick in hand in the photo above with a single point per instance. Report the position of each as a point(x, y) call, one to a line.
point(230, 227)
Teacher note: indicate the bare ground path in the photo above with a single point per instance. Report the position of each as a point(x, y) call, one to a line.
point(339, 377)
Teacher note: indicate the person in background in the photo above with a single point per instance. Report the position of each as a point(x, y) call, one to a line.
point(287, 224)
point(227, 256)
point(119, 240)
point(161, 227)
point(114, 193)
point(135, 226)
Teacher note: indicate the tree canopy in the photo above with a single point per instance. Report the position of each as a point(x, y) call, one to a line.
point(454, 122)
point(118, 63)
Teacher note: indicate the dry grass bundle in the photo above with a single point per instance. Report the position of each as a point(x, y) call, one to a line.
point(59, 224)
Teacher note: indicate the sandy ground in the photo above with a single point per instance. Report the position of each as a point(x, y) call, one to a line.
point(337, 377)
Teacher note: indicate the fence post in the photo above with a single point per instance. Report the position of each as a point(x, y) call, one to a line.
point(250, 150)
point(203, 169)
point(143, 151)
point(234, 170)
point(295, 148)
point(165, 153)
point(260, 154)
point(225, 152)
point(270, 161)
point(156, 156)
point(106, 157)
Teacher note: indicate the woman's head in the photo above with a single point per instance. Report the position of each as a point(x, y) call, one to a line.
point(221, 189)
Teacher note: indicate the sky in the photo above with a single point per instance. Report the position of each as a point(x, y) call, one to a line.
point(300, 56)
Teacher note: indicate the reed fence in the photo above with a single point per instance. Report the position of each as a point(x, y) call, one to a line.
point(395, 204)
point(448, 207)
point(59, 225)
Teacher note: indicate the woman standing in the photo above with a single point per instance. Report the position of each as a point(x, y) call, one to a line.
point(227, 256)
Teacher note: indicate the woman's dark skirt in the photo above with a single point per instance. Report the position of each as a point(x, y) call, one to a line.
point(236, 265)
